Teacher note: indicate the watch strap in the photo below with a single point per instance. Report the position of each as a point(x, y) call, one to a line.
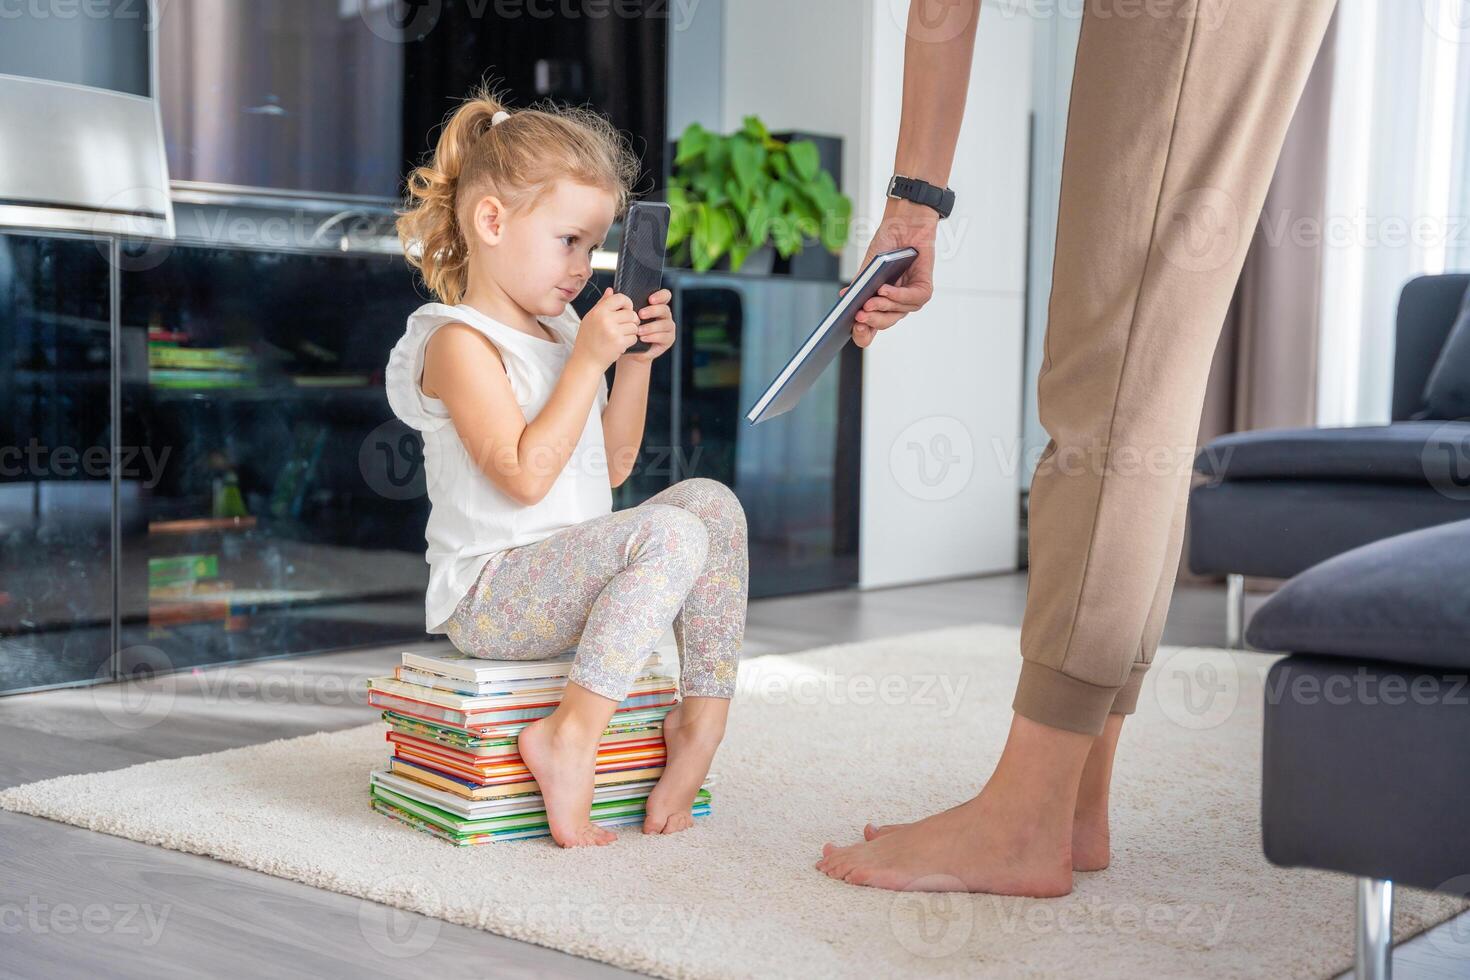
point(941, 199)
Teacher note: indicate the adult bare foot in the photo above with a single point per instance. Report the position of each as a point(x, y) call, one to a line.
point(872, 830)
point(1015, 838)
point(692, 733)
point(1091, 845)
point(1090, 836)
point(561, 752)
point(985, 845)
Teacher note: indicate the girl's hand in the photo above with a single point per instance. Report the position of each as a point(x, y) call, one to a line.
point(608, 329)
point(658, 331)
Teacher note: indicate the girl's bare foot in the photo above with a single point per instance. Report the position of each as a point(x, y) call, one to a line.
point(692, 733)
point(561, 752)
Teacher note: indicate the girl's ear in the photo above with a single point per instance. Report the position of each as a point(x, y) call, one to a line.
point(488, 219)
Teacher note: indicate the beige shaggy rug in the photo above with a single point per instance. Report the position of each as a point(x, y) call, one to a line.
point(819, 742)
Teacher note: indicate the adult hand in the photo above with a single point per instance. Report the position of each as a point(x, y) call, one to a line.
point(904, 224)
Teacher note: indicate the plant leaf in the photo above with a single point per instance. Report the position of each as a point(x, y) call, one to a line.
point(692, 143)
point(722, 230)
point(776, 197)
point(700, 251)
point(758, 223)
point(738, 253)
point(835, 230)
point(717, 155)
point(680, 223)
point(804, 158)
point(739, 197)
point(746, 160)
point(756, 129)
point(709, 185)
point(784, 236)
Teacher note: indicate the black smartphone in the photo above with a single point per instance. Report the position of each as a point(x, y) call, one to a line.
point(640, 271)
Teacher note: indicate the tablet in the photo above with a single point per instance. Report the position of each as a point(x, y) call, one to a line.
point(835, 330)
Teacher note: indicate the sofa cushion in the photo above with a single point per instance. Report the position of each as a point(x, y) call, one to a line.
point(1279, 528)
point(1447, 390)
point(1363, 771)
point(1404, 452)
point(1402, 600)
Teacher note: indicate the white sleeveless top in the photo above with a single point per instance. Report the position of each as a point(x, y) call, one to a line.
point(471, 521)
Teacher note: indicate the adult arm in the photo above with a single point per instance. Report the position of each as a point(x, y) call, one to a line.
point(938, 50)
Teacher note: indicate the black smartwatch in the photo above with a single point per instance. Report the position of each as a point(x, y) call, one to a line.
point(941, 199)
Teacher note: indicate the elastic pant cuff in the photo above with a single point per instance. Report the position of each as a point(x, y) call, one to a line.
point(1050, 697)
point(1125, 702)
point(614, 689)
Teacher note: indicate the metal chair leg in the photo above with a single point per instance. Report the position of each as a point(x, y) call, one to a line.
point(1375, 930)
point(1235, 612)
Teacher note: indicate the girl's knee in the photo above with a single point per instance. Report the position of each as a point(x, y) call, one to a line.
point(679, 531)
point(712, 495)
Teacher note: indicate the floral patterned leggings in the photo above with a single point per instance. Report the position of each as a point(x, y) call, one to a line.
point(610, 586)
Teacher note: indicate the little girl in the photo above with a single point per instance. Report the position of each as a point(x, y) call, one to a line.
point(523, 444)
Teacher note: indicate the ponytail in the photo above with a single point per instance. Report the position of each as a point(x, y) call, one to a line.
point(519, 162)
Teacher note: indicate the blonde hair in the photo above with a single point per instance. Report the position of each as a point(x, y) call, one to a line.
point(518, 161)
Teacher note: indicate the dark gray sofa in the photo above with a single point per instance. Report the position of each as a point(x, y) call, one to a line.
point(1277, 501)
point(1366, 724)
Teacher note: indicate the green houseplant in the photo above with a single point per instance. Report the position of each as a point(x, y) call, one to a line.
point(731, 194)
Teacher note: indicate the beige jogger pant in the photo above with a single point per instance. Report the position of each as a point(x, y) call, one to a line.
point(1179, 109)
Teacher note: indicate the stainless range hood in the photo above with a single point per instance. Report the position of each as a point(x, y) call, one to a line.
point(80, 158)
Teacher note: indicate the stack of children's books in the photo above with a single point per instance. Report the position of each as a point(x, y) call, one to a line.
point(455, 770)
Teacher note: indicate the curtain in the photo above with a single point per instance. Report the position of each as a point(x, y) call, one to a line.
point(1264, 374)
point(1265, 368)
point(1396, 186)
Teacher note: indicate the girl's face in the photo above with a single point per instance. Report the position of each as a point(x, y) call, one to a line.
point(543, 258)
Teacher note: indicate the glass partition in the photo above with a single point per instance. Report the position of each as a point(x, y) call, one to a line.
point(288, 510)
point(266, 502)
point(56, 497)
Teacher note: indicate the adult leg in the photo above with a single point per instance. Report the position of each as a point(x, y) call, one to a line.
point(709, 630)
point(1177, 117)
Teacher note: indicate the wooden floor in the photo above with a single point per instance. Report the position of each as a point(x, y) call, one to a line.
point(82, 904)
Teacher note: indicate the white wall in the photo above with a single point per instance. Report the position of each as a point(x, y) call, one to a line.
point(696, 74)
point(942, 390)
point(797, 65)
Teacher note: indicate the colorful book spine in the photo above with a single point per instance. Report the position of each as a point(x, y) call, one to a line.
point(174, 569)
point(458, 830)
point(455, 769)
point(170, 355)
point(495, 721)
